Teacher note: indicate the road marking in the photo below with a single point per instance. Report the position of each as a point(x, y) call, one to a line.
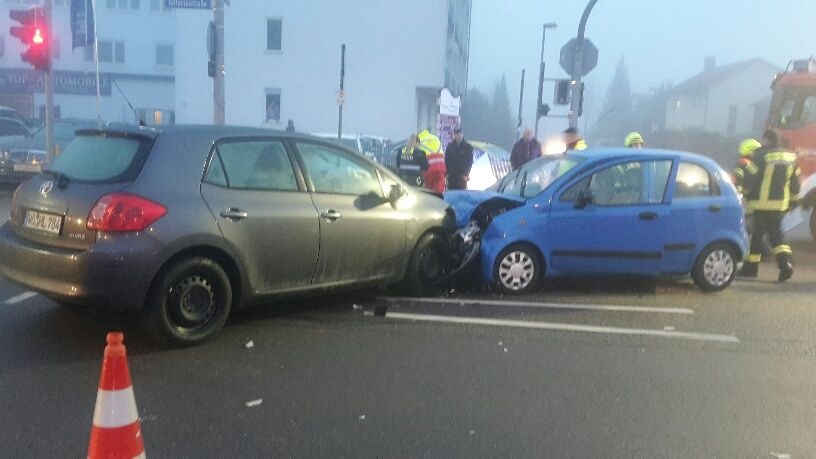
point(564, 327)
point(530, 304)
point(21, 297)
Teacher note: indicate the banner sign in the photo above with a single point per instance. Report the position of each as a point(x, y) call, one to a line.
point(197, 4)
point(23, 81)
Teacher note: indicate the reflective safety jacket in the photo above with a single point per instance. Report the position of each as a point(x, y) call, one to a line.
point(775, 184)
point(745, 166)
point(432, 147)
point(578, 145)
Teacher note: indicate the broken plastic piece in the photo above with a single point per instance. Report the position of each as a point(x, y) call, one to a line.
point(252, 403)
point(362, 417)
point(356, 306)
point(250, 344)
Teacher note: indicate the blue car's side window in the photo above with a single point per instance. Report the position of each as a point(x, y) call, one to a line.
point(634, 182)
point(694, 181)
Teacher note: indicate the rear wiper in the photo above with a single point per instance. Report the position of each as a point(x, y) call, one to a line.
point(62, 180)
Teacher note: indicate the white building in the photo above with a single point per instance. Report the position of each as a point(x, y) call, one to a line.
point(136, 50)
point(282, 62)
point(725, 100)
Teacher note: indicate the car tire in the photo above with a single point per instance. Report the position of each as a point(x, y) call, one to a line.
point(188, 302)
point(427, 267)
point(518, 269)
point(715, 267)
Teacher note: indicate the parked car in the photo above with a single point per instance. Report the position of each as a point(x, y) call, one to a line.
point(185, 223)
point(605, 212)
point(8, 112)
point(10, 127)
point(368, 146)
point(23, 156)
point(490, 163)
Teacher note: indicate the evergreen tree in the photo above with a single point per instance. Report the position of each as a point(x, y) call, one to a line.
point(501, 117)
point(616, 118)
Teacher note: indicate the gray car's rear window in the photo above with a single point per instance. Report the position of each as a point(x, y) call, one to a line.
point(102, 158)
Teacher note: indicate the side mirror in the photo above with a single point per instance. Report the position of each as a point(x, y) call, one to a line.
point(395, 194)
point(584, 198)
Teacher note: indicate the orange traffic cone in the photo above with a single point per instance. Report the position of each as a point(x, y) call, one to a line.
point(116, 431)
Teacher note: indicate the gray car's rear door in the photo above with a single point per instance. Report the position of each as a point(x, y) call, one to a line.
point(362, 237)
point(264, 212)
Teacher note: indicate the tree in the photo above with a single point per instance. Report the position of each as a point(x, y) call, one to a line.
point(504, 132)
point(616, 116)
point(475, 114)
point(487, 119)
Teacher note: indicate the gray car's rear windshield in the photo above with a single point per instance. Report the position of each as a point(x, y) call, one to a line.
point(102, 158)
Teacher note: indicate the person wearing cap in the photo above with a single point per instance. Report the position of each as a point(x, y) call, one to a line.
point(634, 140)
point(573, 140)
point(458, 161)
point(745, 164)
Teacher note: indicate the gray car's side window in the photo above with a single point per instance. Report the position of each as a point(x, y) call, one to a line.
point(215, 173)
point(254, 165)
point(332, 171)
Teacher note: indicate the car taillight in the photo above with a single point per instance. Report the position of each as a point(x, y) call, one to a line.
point(124, 212)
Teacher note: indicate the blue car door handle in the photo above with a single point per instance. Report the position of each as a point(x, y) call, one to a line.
point(647, 216)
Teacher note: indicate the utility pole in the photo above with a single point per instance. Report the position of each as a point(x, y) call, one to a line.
point(521, 102)
point(550, 25)
point(218, 77)
point(577, 70)
point(341, 97)
point(49, 88)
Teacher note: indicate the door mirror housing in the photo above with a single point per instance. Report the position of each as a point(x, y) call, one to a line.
point(395, 193)
point(584, 198)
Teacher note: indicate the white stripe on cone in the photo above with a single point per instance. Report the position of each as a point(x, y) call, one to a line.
point(115, 408)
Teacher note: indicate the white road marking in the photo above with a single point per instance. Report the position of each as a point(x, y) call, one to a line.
point(530, 304)
point(21, 297)
point(564, 327)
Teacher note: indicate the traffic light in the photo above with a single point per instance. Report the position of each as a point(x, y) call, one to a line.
point(34, 33)
point(543, 110)
point(562, 92)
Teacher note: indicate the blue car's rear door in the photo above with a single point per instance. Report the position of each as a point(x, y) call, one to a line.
point(621, 231)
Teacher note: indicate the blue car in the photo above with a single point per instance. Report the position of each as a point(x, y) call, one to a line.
point(605, 212)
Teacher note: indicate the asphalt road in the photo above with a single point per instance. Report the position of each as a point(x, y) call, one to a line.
point(586, 368)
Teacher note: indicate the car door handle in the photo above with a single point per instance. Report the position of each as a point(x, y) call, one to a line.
point(647, 216)
point(714, 208)
point(234, 214)
point(330, 215)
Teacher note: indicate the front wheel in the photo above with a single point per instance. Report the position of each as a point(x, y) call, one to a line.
point(518, 269)
point(715, 268)
point(428, 266)
point(188, 302)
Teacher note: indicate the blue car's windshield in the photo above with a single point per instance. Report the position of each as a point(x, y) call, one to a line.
point(535, 176)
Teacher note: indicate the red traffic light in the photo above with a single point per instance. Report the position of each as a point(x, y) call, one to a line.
point(33, 32)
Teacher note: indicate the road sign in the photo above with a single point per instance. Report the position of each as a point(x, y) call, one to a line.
point(590, 60)
point(196, 4)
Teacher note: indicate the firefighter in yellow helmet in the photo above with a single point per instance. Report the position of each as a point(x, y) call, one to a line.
point(771, 193)
point(634, 140)
point(434, 177)
point(573, 140)
point(745, 163)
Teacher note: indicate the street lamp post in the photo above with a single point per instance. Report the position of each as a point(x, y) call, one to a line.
point(577, 69)
point(550, 25)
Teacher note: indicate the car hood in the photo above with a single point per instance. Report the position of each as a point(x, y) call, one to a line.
point(465, 203)
point(22, 143)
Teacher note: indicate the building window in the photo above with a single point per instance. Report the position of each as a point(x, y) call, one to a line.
point(109, 51)
point(135, 4)
point(123, 4)
point(273, 105)
point(164, 55)
point(155, 116)
point(157, 5)
point(732, 119)
point(274, 28)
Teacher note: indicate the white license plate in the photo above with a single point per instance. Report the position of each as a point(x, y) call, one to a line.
point(27, 167)
point(44, 222)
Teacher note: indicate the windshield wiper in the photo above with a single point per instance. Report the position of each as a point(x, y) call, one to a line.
point(62, 179)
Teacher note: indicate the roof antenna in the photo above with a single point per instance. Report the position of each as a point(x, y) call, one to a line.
point(140, 120)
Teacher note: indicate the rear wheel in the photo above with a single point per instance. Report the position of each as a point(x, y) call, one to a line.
point(518, 269)
point(188, 302)
point(715, 268)
point(427, 267)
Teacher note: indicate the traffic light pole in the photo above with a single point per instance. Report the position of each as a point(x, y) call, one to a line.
point(577, 70)
point(342, 88)
point(49, 89)
point(521, 102)
point(218, 77)
point(541, 74)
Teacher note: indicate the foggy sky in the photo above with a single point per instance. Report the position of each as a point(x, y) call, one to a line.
point(660, 40)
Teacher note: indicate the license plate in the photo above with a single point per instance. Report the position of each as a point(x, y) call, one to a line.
point(44, 222)
point(27, 167)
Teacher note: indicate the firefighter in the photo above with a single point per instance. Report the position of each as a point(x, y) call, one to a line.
point(433, 177)
point(745, 163)
point(573, 140)
point(771, 191)
point(634, 140)
point(412, 162)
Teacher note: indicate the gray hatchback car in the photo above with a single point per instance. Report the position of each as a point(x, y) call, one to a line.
point(186, 223)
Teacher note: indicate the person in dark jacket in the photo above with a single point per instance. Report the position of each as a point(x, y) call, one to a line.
point(458, 161)
point(525, 150)
point(412, 162)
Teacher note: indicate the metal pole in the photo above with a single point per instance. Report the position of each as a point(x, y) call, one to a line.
point(521, 102)
point(49, 90)
point(341, 96)
point(218, 78)
point(577, 69)
point(541, 68)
